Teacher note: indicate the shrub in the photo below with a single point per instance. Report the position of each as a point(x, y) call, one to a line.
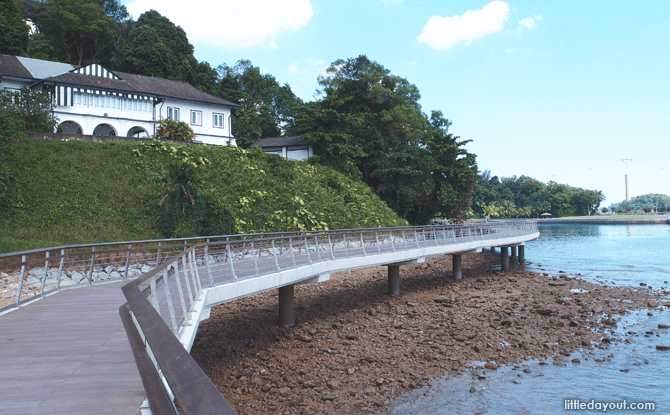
point(174, 130)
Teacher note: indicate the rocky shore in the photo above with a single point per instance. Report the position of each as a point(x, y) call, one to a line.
point(354, 348)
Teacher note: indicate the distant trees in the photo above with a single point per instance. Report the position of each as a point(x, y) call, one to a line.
point(368, 123)
point(646, 203)
point(13, 30)
point(527, 197)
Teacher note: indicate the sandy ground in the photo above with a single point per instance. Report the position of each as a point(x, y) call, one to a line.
point(354, 348)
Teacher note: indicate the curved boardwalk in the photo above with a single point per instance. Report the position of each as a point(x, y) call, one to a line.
point(68, 354)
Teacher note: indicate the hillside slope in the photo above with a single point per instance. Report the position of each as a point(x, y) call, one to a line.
point(67, 192)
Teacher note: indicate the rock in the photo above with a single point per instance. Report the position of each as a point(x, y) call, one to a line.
point(380, 381)
point(305, 339)
point(328, 397)
point(246, 373)
point(624, 370)
point(109, 269)
point(370, 390)
point(526, 370)
point(542, 362)
point(575, 360)
point(351, 371)
point(557, 283)
point(664, 326)
point(643, 284)
point(333, 384)
point(285, 391)
point(662, 347)
point(558, 363)
point(506, 323)
point(544, 311)
point(491, 366)
point(473, 389)
point(114, 274)
point(460, 338)
point(145, 269)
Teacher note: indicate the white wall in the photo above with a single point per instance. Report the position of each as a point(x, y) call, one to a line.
point(206, 131)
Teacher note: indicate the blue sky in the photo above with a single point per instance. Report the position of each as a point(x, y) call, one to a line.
point(553, 90)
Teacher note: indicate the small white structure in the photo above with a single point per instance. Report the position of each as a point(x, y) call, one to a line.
point(291, 148)
point(92, 100)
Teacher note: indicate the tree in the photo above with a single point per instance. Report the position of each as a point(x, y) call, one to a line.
point(33, 108)
point(266, 106)
point(369, 123)
point(14, 32)
point(78, 31)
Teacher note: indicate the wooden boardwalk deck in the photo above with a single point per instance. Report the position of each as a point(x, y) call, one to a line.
point(69, 354)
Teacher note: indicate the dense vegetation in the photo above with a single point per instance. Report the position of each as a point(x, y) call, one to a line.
point(367, 122)
point(78, 192)
point(525, 197)
point(645, 203)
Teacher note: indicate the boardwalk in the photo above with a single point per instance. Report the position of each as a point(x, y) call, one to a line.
point(68, 354)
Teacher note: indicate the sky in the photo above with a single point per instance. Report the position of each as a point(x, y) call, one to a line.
point(554, 90)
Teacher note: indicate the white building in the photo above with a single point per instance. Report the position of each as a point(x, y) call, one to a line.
point(92, 100)
point(291, 148)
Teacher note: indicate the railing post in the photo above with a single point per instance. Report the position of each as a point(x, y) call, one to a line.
point(125, 274)
point(392, 241)
point(209, 269)
point(23, 274)
point(416, 239)
point(363, 244)
point(60, 268)
point(346, 244)
point(290, 246)
point(90, 272)
point(188, 283)
point(194, 268)
point(154, 297)
point(179, 289)
point(168, 297)
point(255, 262)
point(330, 244)
point(158, 255)
point(230, 258)
point(309, 258)
point(379, 248)
point(274, 251)
point(46, 273)
point(405, 238)
point(318, 251)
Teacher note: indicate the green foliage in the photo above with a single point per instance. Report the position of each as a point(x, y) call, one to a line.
point(75, 31)
point(78, 191)
point(605, 210)
point(174, 130)
point(32, 107)
point(369, 124)
point(512, 197)
point(265, 105)
point(648, 202)
point(12, 128)
point(14, 32)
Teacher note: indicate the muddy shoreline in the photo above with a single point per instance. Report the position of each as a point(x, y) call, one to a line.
point(354, 348)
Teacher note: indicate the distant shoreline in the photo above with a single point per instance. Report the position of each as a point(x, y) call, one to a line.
point(610, 220)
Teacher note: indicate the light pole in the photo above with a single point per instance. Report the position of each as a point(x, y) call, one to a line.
point(626, 161)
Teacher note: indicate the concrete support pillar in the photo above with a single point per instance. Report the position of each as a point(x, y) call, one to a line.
point(504, 258)
point(457, 261)
point(522, 255)
point(394, 279)
point(286, 306)
point(512, 255)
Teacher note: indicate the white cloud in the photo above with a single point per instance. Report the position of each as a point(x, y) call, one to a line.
point(530, 23)
point(230, 24)
point(444, 32)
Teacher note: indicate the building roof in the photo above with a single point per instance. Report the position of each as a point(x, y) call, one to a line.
point(63, 73)
point(140, 84)
point(41, 69)
point(278, 142)
point(28, 68)
point(12, 66)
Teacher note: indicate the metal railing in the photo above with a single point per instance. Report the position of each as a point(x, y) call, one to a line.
point(162, 299)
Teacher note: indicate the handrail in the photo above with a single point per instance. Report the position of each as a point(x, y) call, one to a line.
point(160, 303)
point(185, 380)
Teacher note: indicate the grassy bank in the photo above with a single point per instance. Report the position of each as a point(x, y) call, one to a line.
point(67, 192)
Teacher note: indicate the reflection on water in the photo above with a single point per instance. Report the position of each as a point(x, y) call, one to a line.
point(625, 254)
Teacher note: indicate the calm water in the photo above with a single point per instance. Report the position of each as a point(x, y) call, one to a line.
point(619, 254)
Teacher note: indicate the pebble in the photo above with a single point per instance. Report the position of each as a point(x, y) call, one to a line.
point(473, 389)
point(624, 370)
point(491, 366)
point(664, 326)
point(575, 360)
point(662, 347)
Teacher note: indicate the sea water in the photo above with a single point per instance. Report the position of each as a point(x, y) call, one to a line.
point(611, 254)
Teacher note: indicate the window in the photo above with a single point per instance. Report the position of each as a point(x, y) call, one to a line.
point(97, 100)
point(218, 120)
point(134, 105)
point(78, 98)
point(196, 117)
point(107, 101)
point(173, 113)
